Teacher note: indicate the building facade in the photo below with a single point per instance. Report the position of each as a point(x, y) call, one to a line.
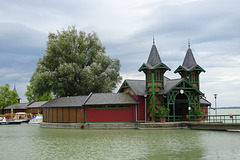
point(137, 100)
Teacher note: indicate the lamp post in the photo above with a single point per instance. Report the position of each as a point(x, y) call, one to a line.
point(215, 96)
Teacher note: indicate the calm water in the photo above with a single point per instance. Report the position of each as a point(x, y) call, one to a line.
point(225, 111)
point(29, 141)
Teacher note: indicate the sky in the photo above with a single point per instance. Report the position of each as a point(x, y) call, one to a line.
point(126, 29)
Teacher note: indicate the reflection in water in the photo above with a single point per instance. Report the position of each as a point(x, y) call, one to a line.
point(32, 142)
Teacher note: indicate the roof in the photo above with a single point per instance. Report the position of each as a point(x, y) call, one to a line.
point(154, 58)
point(189, 60)
point(17, 106)
point(74, 101)
point(111, 99)
point(189, 63)
point(204, 101)
point(15, 90)
point(36, 104)
point(154, 61)
point(169, 84)
point(138, 86)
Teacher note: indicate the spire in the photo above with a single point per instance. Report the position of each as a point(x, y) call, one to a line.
point(15, 90)
point(154, 58)
point(153, 40)
point(188, 43)
point(189, 60)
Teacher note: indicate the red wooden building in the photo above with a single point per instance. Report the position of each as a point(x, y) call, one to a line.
point(137, 100)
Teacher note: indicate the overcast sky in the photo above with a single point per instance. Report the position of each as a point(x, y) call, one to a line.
point(126, 28)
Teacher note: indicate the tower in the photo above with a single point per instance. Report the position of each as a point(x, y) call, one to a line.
point(154, 71)
point(189, 69)
point(15, 90)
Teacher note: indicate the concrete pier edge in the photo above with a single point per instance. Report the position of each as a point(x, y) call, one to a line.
point(147, 126)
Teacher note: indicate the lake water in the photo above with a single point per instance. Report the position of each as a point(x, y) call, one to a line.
point(225, 111)
point(30, 142)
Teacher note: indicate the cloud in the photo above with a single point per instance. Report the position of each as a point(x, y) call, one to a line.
point(126, 28)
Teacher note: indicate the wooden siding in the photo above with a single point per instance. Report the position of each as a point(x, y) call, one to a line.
point(63, 115)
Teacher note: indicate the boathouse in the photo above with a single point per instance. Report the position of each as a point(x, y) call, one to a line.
point(96, 107)
point(181, 96)
point(137, 100)
point(64, 110)
point(19, 107)
point(35, 107)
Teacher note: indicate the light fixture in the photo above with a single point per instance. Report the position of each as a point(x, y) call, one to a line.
point(181, 91)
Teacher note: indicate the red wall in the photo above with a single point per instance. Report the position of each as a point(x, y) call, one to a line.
point(141, 109)
point(98, 115)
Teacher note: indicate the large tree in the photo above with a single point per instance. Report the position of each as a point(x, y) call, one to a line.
point(33, 96)
point(75, 64)
point(7, 97)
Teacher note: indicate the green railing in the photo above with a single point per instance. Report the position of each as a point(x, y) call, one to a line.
point(205, 118)
point(215, 118)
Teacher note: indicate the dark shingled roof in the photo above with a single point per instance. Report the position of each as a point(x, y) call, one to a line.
point(17, 106)
point(189, 60)
point(36, 104)
point(204, 101)
point(154, 58)
point(169, 84)
point(138, 86)
point(110, 99)
point(74, 101)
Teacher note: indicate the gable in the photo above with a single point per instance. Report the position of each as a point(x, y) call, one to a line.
point(178, 84)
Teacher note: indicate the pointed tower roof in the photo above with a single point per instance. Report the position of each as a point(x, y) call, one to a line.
point(189, 62)
point(15, 90)
point(154, 60)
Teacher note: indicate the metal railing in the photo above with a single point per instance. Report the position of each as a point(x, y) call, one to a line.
point(205, 118)
point(215, 118)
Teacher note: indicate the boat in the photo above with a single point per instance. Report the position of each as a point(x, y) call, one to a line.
point(37, 119)
point(21, 117)
point(5, 122)
point(233, 130)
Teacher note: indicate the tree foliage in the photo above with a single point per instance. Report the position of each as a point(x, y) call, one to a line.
point(7, 97)
point(75, 64)
point(33, 96)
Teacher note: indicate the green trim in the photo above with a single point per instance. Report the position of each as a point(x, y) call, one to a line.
point(125, 85)
point(184, 87)
point(84, 120)
point(52, 114)
point(76, 114)
point(143, 68)
point(62, 115)
point(162, 66)
point(57, 115)
point(153, 98)
point(91, 107)
point(68, 115)
point(110, 122)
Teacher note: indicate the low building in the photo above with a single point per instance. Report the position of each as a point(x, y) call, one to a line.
point(35, 107)
point(111, 107)
point(19, 107)
point(64, 110)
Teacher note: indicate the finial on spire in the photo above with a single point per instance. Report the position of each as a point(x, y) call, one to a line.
point(188, 43)
point(153, 40)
